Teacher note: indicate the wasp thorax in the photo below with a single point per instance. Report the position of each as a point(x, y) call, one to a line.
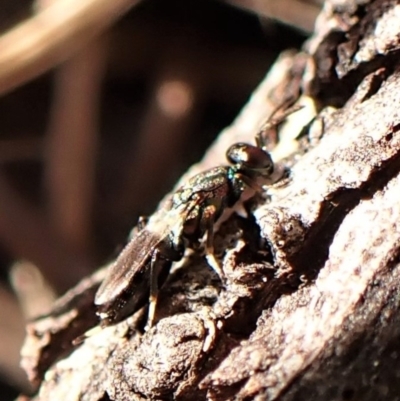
point(250, 159)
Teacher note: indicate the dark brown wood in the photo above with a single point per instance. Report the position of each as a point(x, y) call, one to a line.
point(311, 308)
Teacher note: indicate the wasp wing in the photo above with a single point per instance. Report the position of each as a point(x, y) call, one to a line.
point(133, 259)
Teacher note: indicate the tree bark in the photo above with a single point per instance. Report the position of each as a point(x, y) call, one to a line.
point(311, 309)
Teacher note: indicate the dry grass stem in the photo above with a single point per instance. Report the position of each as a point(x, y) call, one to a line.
point(52, 35)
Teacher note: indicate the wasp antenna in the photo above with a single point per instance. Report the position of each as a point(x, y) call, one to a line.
point(273, 121)
point(79, 340)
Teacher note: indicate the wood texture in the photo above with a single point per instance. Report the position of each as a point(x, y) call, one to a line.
point(311, 309)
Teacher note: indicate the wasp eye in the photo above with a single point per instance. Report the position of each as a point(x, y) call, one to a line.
point(250, 158)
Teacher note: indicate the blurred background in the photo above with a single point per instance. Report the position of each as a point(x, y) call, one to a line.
point(96, 129)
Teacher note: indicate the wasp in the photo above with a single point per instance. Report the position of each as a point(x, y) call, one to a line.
point(188, 217)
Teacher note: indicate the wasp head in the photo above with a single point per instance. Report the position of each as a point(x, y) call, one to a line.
point(249, 160)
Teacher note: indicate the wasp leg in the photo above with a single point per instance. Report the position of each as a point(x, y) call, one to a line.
point(153, 289)
point(211, 259)
point(250, 183)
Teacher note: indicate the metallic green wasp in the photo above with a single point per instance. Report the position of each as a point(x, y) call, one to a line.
point(188, 217)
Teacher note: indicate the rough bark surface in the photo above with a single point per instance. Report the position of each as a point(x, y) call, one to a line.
point(312, 306)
